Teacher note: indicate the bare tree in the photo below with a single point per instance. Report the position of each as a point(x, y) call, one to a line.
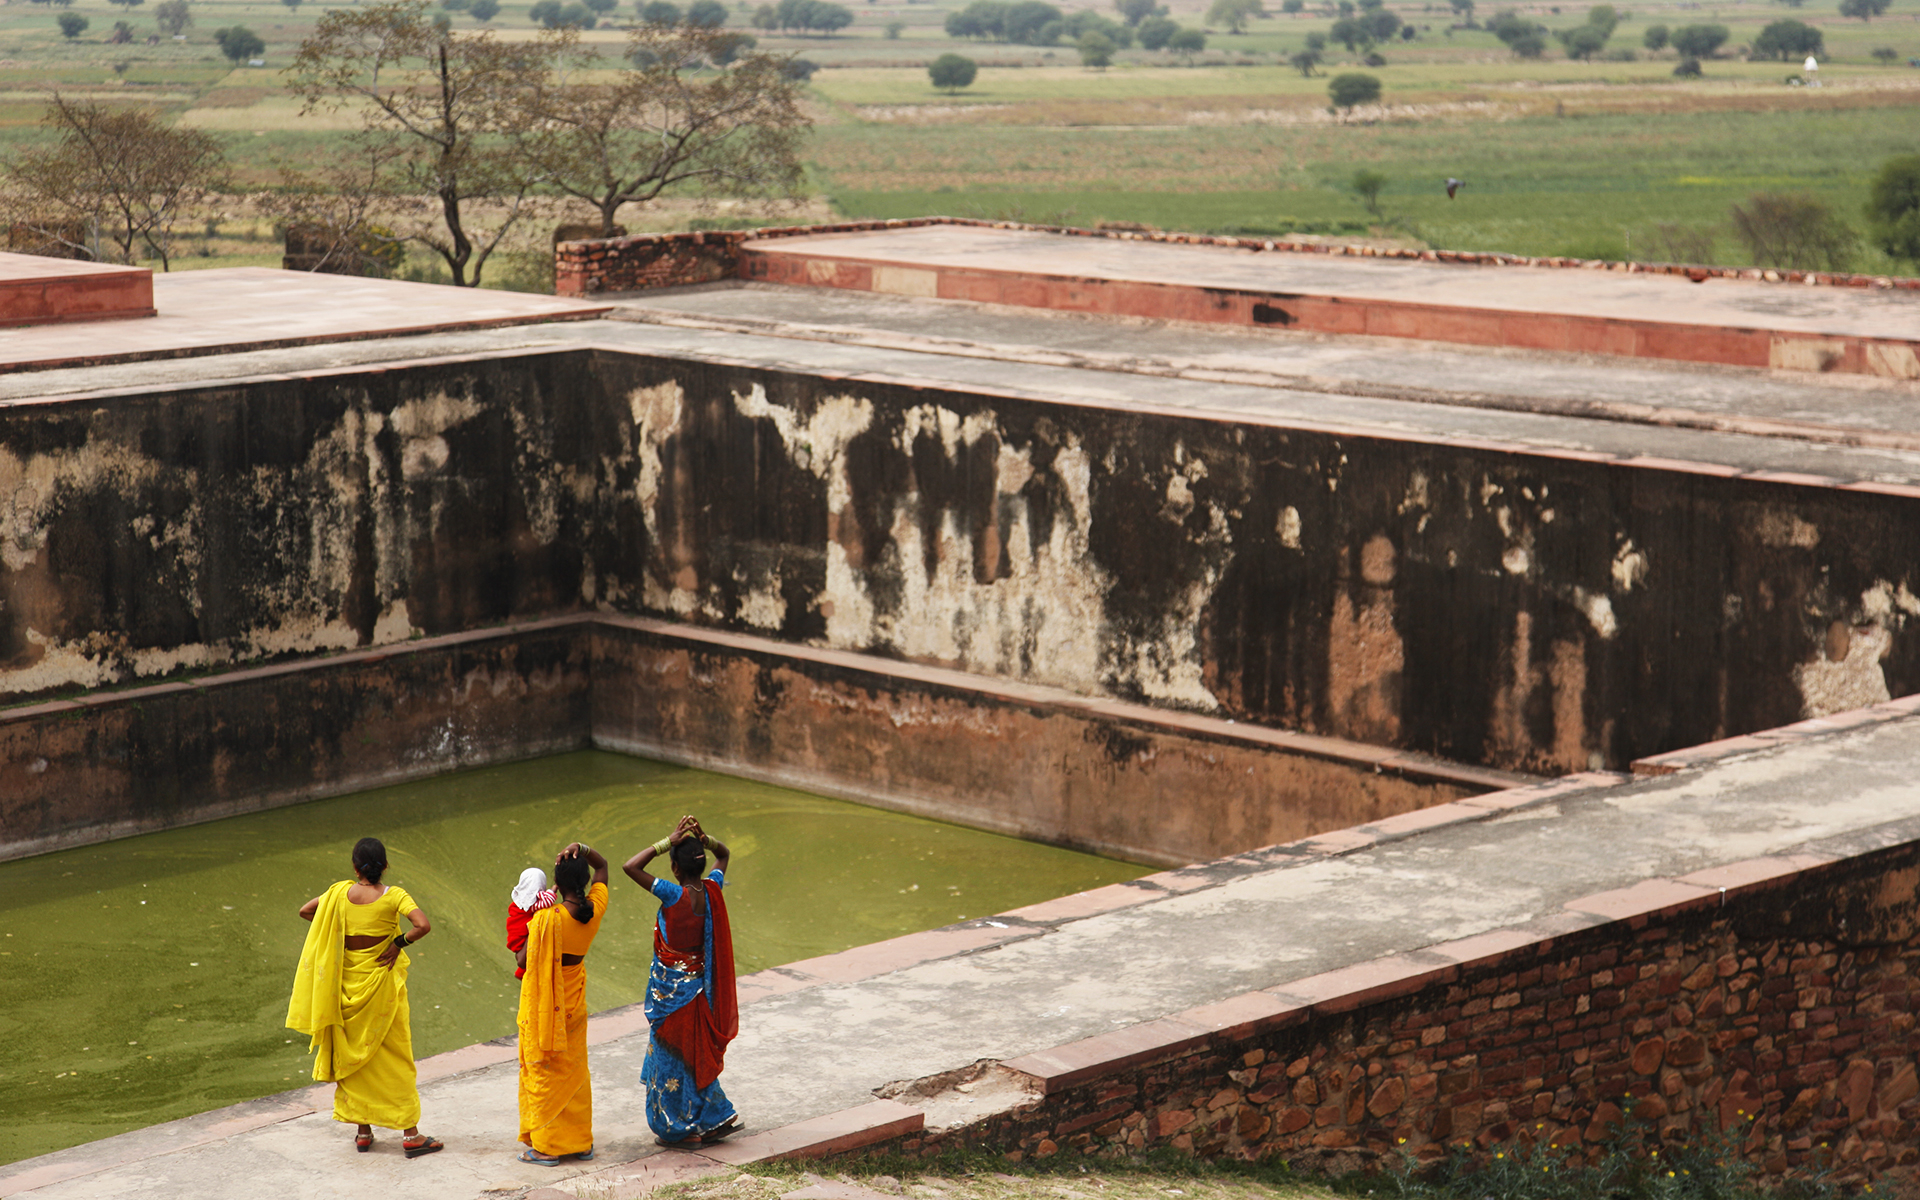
point(333, 213)
point(119, 171)
point(692, 114)
point(445, 106)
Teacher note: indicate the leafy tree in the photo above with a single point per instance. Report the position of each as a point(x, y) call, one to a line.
point(1154, 32)
point(1381, 25)
point(72, 25)
point(1187, 43)
point(1304, 62)
point(1603, 17)
point(128, 4)
point(120, 169)
point(709, 14)
point(984, 19)
point(1655, 37)
point(1529, 45)
point(291, 4)
point(1096, 50)
point(1235, 14)
point(894, 29)
point(1885, 55)
point(121, 35)
point(442, 117)
point(1792, 229)
point(1866, 10)
point(798, 70)
point(662, 127)
point(600, 8)
point(1293, 6)
point(483, 10)
point(1087, 21)
point(1582, 41)
point(1353, 89)
point(1698, 41)
point(951, 72)
point(1893, 205)
point(1027, 23)
point(173, 16)
point(1350, 32)
point(1688, 68)
point(1462, 9)
point(552, 14)
point(1510, 27)
point(1366, 185)
point(239, 43)
point(1135, 11)
point(1788, 39)
point(659, 12)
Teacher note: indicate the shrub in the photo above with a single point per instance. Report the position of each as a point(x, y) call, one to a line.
point(1154, 32)
point(72, 25)
point(1353, 89)
point(1689, 68)
point(951, 72)
point(1655, 38)
point(1699, 41)
point(1374, 59)
point(660, 12)
point(1366, 185)
point(1096, 50)
point(1792, 229)
point(707, 14)
point(484, 10)
point(1893, 205)
point(1188, 42)
point(1583, 41)
point(1304, 62)
point(1529, 45)
point(1866, 10)
point(894, 29)
point(239, 43)
point(1886, 55)
point(1788, 39)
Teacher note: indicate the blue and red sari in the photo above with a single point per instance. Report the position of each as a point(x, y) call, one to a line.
point(694, 1012)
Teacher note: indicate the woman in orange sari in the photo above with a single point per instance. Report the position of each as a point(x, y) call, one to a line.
point(691, 1003)
point(556, 1093)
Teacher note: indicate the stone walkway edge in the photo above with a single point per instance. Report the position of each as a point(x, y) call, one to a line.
point(1058, 1068)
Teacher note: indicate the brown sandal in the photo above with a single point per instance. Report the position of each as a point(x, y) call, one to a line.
point(416, 1146)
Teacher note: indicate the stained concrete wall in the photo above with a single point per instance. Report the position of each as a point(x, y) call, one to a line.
point(1530, 611)
point(1520, 610)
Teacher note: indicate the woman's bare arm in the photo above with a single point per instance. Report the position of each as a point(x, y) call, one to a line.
point(310, 907)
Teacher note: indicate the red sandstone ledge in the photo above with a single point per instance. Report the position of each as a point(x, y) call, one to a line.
point(52, 291)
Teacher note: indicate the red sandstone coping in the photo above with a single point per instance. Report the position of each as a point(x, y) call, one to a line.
point(573, 255)
point(37, 290)
point(1767, 739)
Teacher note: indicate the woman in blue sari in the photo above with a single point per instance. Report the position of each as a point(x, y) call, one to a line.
point(691, 1003)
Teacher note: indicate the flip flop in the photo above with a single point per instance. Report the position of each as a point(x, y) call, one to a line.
point(530, 1155)
point(584, 1156)
point(424, 1145)
point(720, 1132)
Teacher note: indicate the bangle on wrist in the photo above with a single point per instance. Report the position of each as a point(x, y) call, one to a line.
point(400, 940)
point(663, 845)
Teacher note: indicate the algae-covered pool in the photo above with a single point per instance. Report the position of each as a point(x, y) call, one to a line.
point(147, 979)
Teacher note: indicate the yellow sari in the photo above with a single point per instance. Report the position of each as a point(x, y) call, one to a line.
point(355, 1012)
point(556, 1093)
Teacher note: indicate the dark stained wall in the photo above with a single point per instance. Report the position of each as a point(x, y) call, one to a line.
point(1519, 610)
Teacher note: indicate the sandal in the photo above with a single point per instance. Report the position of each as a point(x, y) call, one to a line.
point(416, 1146)
point(584, 1156)
point(530, 1155)
point(363, 1142)
point(722, 1131)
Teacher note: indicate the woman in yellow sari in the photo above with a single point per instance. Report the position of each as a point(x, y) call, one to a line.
point(556, 1095)
point(350, 999)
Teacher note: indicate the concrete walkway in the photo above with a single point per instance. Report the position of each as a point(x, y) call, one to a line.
point(818, 1037)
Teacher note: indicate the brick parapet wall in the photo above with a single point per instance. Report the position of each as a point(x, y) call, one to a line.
point(648, 261)
point(1786, 1006)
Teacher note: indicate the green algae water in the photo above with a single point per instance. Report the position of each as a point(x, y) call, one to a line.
point(147, 979)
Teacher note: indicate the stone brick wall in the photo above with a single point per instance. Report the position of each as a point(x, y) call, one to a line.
point(1787, 1008)
point(644, 261)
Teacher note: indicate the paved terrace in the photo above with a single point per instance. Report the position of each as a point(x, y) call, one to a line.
point(1732, 322)
point(1060, 988)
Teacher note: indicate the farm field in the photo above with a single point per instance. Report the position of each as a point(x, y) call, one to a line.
point(1610, 158)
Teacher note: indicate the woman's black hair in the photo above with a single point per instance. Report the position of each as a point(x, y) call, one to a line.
point(370, 859)
point(570, 875)
point(689, 858)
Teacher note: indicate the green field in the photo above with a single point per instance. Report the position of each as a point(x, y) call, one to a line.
point(1560, 157)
